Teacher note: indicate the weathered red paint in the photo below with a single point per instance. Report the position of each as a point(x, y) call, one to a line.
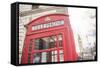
point(68, 39)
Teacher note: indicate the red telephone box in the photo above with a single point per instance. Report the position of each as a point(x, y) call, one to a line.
point(49, 39)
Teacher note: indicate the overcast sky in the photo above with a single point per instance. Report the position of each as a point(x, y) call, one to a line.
point(81, 22)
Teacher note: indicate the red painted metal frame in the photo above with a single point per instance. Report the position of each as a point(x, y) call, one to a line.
point(65, 30)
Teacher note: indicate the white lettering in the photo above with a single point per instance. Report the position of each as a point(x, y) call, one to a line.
point(48, 25)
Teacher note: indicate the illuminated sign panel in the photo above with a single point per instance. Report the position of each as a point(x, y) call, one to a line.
point(48, 25)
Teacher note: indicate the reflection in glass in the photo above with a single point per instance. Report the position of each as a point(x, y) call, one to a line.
point(60, 40)
point(61, 55)
point(45, 43)
point(43, 57)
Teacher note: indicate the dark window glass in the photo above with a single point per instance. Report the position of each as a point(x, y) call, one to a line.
point(45, 43)
point(29, 57)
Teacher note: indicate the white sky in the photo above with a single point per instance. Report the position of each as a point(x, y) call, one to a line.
point(79, 19)
point(81, 22)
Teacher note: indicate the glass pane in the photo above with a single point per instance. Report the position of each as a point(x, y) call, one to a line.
point(54, 56)
point(60, 40)
point(37, 58)
point(43, 57)
point(30, 50)
point(30, 46)
point(29, 57)
point(61, 55)
point(45, 43)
